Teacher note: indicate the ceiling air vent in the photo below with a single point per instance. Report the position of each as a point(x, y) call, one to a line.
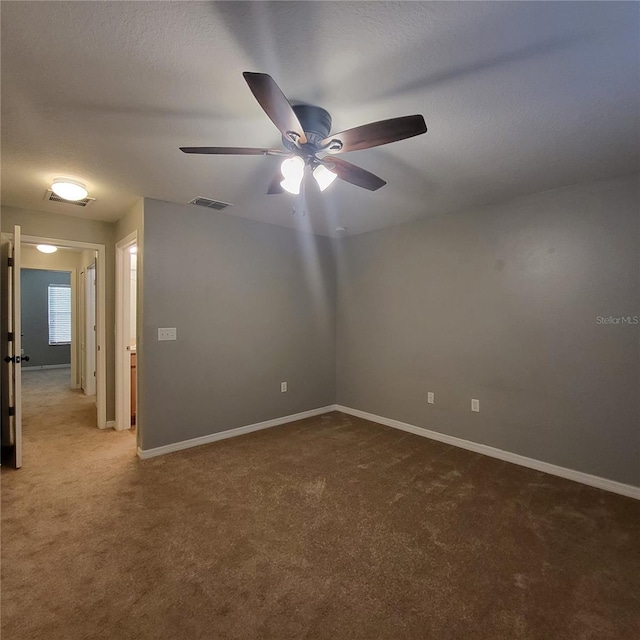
point(49, 196)
point(209, 203)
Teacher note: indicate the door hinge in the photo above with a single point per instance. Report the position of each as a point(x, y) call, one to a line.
point(11, 262)
point(94, 374)
point(12, 411)
point(10, 336)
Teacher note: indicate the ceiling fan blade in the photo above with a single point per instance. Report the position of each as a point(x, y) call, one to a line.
point(353, 174)
point(235, 151)
point(275, 105)
point(375, 134)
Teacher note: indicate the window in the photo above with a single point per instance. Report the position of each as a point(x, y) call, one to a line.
point(59, 314)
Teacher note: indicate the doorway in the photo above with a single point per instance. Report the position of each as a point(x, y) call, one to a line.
point(59, 315)
point(85, 261)
point(126, 332)
point(11, 343)
point(49, 321)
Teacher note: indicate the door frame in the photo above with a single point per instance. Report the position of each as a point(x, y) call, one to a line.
point(81, 377)
point(101, 315)
point(123, 333)
point(88, 362)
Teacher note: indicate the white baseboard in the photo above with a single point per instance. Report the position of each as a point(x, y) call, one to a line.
point(230, 433)
point(39, 367)
point(111, 424)
point(577, 476)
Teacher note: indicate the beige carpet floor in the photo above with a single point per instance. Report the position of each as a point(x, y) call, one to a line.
point(331, 528)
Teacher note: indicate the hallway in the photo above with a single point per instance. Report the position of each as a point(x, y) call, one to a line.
point(53, 508)
point(59, 424)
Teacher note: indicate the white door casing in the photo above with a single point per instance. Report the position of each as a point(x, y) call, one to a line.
point(89, 336)
point(123, 331)
point(81, 330)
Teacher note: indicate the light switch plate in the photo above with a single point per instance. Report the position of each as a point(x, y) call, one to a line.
point(167, 333)
point(431, 397)
point(475, 405)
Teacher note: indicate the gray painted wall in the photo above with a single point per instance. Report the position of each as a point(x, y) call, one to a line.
point(253, 304)
point(35, 317)
point(501, 303)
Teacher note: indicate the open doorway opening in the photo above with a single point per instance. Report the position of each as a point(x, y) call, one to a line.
point(126, 332)
point(58, 322)
point(48, 320)
point(66, 332)
point(59, 335)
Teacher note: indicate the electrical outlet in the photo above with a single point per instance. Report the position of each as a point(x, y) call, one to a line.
point(167, 333)
point(283, 387)
point(431, 397)
point(475, 405)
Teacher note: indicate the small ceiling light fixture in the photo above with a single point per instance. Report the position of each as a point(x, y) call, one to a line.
point(69, 189)
point(133, 249)
point(292, 170)
point(323, 176)
point(46, 248)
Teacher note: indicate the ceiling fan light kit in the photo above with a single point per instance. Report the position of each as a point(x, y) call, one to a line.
point(323, 176)
point(308, 142)
point(292, 170)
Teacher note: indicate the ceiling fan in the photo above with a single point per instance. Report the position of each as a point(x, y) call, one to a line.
point(306, 137)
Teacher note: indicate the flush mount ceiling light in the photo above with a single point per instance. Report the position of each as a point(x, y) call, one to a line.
point(69, 189)
point(133, 249)
point(46, 248)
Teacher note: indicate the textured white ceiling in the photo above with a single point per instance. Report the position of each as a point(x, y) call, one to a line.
point(518, 97)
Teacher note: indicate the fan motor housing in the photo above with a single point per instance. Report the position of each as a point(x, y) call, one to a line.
point(315, 121)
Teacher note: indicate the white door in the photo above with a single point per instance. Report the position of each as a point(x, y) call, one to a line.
point(12, 354)
point(90, 330)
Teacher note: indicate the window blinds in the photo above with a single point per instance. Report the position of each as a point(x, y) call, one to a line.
point(59, 314)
